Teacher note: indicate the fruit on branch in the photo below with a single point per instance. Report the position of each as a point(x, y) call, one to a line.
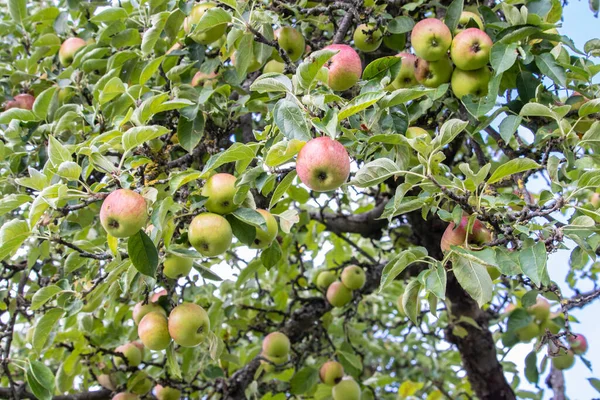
point(142, 385)
point(176, 267)
point(331, 373)
point(367, 37)
point(23, 101)
point(564, 360)
point(166, 393)
point(107, 382)
point(457, 236)
point(345, 67)
point(353, 277)
point(140, 310)
point(196, 14)
point(123, 213)
point(415, 131)
point(395, 41)
point(325, 278)
point(210, 234)
point(406, 76)
point(263, 238)
point(274, 363)
point(125, 396)
point(132, 353)
point(431, 39)
point(276, 345)
point(220, 189)
point(470, 82)
point(153, 331)
point(595, 200)
point(291, 41)
point(433, 73)
point(471, 49)
point(188, 324)
point(540, 310)
point(274, 66)
point(323, 164)
point(465, 20)
point(202, 78)
point(578, 344)
point(338, 295)
point(68, 48)
point(347, 389)
point(156, 296)
point(528, 332)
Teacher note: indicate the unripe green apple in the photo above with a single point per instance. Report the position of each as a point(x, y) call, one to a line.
point(345, 67)
point(210, 234)
point(338, 295)
point(274, 66)
point(367, 38)
point(323, 164)
point(276, 344)
point(528, 332)
point(143, 384)
point(471, 49)
point(107, 382)
point(23, 101)
point(269, 367)
point(331, 373)
point(414, 132)
point(166, 393)
point(464, 19)
point(188, 324)
point(153, 331)
point(125, 396)
point(133, 354)
point(433, 73)
point(220, 189)
point(540, 310)
point(291, 41)
point(406, 76)
point(176, 267)
point(431, 39)
point(395, 41)
point(470, 82)
point(67, 50)
point(353, 277)
point(578, 344)
point(347, 389)
point(196, 14)
point(564, 360)
point(263, 239)
point(123, 213)
point(325, 278)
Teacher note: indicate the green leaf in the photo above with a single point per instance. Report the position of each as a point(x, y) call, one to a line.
point(291, 120)
point(512, 167)
point(379, 67)
point(398, 264)
point(248, 272)
point(43, 295)
point(42, 103)
point(283, 151)
point(411, 301)
point(272, 82)
point(112, 89)
point(509, 126)
point(237, 152)
point(12, 235)
point(531, 371)
point(527, 84)
point(595, 383)
point(449, 131)
point(282, 188)
point(57, 152)
point(140, 134)
point(453, 14)
point(152, 35)
point(109, 14)
point(143, 253)
point(402, 96)
point(400, 24)
point(190, 132)
point(12, 201)
point(40, 380)
point(271, 255)
point(359, 103)
point(304, 380)
point(537, 110)
point(69, 170)
point(533, 262)
point(150, 69)
point(17, 10)
point(309, 68)
point(548, 66)
point(172, 364)
point(436, 281)
point(42, 334)
point(375, 172)
point(250, 217)
point(590, 107)
point(212, 18)
point(17, 114)
point(503, 56)
point(474, 279)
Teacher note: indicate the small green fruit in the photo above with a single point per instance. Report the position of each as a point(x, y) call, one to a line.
point(166, 393)
point(528, 332)
point(540, 310)
point(367, 38)
point(153, 331)
point(220, 190)
point(210, 234)
point(276, 344)
point(133, 354)
point(188, 324)
point(331, 373)
point(564, 360)
point(353, 277)
point(176, 267)
point(347, 389)
point(325, 278)
point(263, 239)
point(338, 295)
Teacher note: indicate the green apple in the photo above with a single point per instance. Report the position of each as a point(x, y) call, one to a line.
point(269, 367)
point(353, 277)
point(431, 39)
point(347, 389)
point(433, 73)
point(564, 360)
point(540, 310)
point(123, 213)
point(331, 373)
point(471, 49)
point(291, 41)
point(528, 332)
point(395, 41)
point(470, 82)
point(107, 382)
point(68, 48)
point(276, 344)
point(166, 393)
point(220, 189)
point(208, 36)
point(367, 38)
point(153, 331)
point(140, 310)
point(126, 396)
point(210, 234)
point(132, 353)
point(188, 324)
point(414, 132)
point(338, 295)
point(345, 67)
point(323, 164)
point(274, 66)
point(406, 76)
point(464, 20)
point(263, 238)
point(325, 278)
point(176, 267)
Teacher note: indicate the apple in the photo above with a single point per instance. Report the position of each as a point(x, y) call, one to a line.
point(470, 82)
point(345, 67)
point(132, 353)
point(325, 278)
point(166, 393)
point(210, 234)
point(125, 396)
point(196, 14)
point(274, 66)
point(176, 267)
point(431, 39)
point(202, 78)
point(406, 76)
point(291, 41)
point(540, 310)
point(107, 382)
point(142, 385)
point(433, 73)
point(23, 101)
point(338, 295)
point(323, 164)
point(276, 345)
point(153, 331)
point(564, 360)
point(528, 332)
point(156, 296)
point(123, 213)
point(263, 238)
point(353, 277)
point(347, 389)
point(465, 18)
point(471, 49)
point(269, 367)
point(367, 38)
point(220, 189)
point(510, 307)
point(395, 41)
point(578, 344)
point(68, 48)
point(414, 132)
point(188, 324)
point(595, 200)
point(552, 326)
point(331, 373)
point(456, 236)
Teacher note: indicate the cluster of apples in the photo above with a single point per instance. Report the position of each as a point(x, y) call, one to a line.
point(339, 293)
point(344, 388)
point(275, 348)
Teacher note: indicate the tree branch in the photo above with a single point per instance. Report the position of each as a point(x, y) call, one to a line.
point(103, 394)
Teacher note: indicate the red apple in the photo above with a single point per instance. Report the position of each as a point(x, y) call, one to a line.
point(123, 213)
point(457, 236)
point(431, 39)
point(471, 49)
point(345, 67)
point(68, 49)
point(23, 101)
point(578, 344)
point(323, 164)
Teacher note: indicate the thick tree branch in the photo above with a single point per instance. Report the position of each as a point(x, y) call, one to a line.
point(366, 224)
point(103, 394)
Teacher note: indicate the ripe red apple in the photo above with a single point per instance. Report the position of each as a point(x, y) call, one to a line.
point(123, 213)
point(67, 50)
point(578, 344)
point(132, 353)
point(23, 101)
point(433, 73)
point(406, 76)
point(395, 41)
point(540, 310)
point(323, 164)
point(153, 331)
point(345, 67)
point(331, 373)
point(564, 360)
point(471, 49)
point(156, 296)
point(175, 267)
point(291, 41)
point(464, 19)
point(202, 78)
point(338, 295)
point(210, 234)
point(456, 236)
point(140, 310)
point(196, 14)
point(367, 38)
point(166, 393)
point(353, 277)
point(431, 39)
point(325, 278)
point(126, 396)
point(263, 239)
point(188, 324)
point(276, 344)
point(347, 389)
point(220, 189)
point(470, 82)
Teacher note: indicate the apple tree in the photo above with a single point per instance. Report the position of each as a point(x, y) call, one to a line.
point(294, 199)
